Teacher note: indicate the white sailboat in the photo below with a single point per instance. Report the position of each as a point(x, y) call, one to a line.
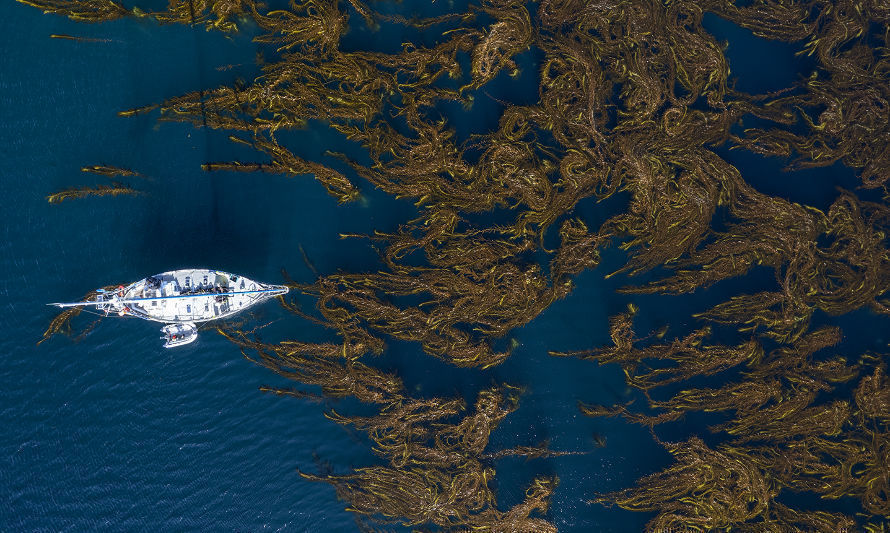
point(183, 298)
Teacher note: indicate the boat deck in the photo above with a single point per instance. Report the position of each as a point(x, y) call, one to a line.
point(194, 295)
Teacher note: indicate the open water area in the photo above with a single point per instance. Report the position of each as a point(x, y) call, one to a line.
point(114, 433)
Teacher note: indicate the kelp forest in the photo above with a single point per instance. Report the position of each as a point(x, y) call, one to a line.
point(637, 112)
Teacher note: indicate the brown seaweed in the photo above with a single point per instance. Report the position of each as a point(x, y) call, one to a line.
point(633, 99)
point(110, 171)
point(61, 323)
point(84, 11)
point(115, 189)
point(285, 162)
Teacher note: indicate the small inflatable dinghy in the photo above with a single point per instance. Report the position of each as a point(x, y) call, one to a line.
point(179, 334)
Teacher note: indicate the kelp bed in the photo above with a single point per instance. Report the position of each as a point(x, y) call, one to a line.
point(635, 100)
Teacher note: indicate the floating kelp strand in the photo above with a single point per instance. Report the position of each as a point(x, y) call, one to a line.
point(415, 432)
point(80, 39)
point(218, 14)
point(789, 419)
point(541, 451)
point(717, 488)
point(510, 35)
point(872, 396)
point(787, 517)
point(690, 357)
point(110, 171)
point(578, 251)
point(705, 489)
point(812, 446)
point(670, 217)
point(314, 25)
point(358, 296)
point(855, 265)
point(115, 189)
point(285, 162)
point(293, 393)
point(418, 496)
point(137, 111)
point(322, 365)
point(746, 243)
point(797, 364)
point(81, 10)
point(421, 443)
point(770, 20)
point(781, 320)
point(473, 432)
point(472, 253)
point(811, 275)
point(418, 489)
point(286, 96)
point(855, 467)
point(61, 323)
point(86, 331)
point(851, 90)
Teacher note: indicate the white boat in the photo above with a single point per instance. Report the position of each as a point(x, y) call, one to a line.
point(187, 296)
point(179, 334)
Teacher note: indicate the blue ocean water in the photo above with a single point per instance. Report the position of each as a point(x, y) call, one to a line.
point(114, 432)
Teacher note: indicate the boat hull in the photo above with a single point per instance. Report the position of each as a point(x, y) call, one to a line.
point(190, 296)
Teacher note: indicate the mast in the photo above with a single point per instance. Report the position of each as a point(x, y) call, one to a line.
point(118, 300)
point(75, 304)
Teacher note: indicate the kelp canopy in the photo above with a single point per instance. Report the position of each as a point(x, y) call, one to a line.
point(635, 100)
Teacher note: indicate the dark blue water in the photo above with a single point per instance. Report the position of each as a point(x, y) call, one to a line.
point(115, 432)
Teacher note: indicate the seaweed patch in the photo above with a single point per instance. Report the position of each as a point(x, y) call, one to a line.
point(635, 101)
